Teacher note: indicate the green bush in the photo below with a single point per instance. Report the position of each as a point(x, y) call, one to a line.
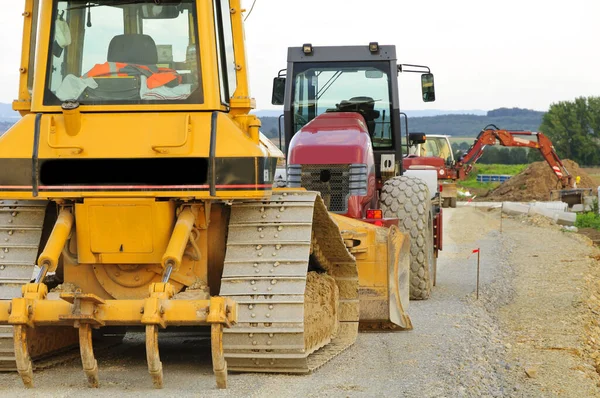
point(588, 220)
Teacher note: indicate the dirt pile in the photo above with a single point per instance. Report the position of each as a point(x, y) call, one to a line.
point(536, 182)
point(321, 310)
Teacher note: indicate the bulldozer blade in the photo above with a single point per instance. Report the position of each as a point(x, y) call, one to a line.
point(383, 259)
point(399, 277)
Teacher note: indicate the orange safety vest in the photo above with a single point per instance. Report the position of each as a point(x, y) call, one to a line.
point(156, 77)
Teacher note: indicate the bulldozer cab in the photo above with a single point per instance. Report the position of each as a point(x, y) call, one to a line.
point(123, 52)
point(104, 55)
point(360, 79)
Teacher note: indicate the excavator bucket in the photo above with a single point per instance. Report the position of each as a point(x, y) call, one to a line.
point(571, 197)
point(383, 260)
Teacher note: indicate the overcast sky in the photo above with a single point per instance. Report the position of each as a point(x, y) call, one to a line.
point(484, 54)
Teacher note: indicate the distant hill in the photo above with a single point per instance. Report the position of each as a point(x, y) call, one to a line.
point(458, 125)
point(4, 126)
point(467, 124)
point(7, 114)
point(411, 113)
point(471, 125)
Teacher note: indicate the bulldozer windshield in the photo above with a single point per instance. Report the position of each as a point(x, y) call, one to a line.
point(362, 87)
point(123, 52)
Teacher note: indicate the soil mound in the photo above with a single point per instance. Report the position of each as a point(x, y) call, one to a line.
point(536, 182)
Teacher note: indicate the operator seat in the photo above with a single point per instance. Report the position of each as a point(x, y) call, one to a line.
point(136, 49)
point(366, 106)
point(133, 49)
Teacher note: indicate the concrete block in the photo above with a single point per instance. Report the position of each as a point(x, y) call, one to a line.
point(589, 200)
point(515, 209)
point(551, 214)
point(489, 205)
point(560, 206)
point(565, 218)
point(577, 208)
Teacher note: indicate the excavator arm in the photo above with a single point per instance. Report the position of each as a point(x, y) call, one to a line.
point(491, 135)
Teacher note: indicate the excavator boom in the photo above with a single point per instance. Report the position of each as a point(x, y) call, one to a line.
point(491, 135)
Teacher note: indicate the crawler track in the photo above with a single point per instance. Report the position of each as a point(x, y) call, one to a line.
point(21, 225)
point(266, 267)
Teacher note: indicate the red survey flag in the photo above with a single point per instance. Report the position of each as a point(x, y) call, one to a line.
point(472, 252)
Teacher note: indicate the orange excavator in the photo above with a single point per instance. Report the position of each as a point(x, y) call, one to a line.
point(492, 135)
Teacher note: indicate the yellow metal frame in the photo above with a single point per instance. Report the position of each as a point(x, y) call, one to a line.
point(23, 103)
point(87, 311)
point(158, 310)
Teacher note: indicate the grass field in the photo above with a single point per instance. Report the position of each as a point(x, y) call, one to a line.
point(479, 188)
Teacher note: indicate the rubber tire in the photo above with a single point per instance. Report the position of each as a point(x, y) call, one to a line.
point(453, 203)
point(445, 203)
point(408, 199)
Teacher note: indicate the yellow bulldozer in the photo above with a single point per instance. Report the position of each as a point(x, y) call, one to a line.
point(137, 190)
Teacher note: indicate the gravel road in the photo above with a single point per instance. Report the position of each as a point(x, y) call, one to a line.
point(537, 314)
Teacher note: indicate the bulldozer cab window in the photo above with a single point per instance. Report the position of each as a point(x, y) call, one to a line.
point(124, 52)
point(226, 54)
point(345, 87)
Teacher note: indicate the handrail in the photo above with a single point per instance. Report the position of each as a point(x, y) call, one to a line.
point(52, 130)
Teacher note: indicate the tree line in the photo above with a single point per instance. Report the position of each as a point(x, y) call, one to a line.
point(499, 154)
point(574, 128)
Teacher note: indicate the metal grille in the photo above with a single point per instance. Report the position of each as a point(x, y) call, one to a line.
point(332, 181)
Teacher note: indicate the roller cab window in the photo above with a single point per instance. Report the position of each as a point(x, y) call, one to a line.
point(345, 87)
point(124, 52)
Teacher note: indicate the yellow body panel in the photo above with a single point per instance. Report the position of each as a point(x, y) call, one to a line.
point(123, 231)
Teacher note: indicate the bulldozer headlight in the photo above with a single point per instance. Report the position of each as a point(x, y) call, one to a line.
point(374, 47)
point(307, 49)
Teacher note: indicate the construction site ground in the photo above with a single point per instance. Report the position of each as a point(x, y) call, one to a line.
point(533, 332)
